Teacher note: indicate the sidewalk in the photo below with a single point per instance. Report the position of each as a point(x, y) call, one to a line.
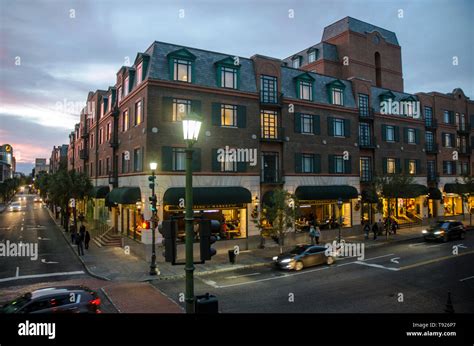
point(127, 264)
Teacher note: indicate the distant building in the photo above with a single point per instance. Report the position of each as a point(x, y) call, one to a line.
point(41, 166)
point(58, 158)
point(7, 162)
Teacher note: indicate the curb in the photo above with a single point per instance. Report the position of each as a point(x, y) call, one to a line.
point(75, 253)
point(110, 300)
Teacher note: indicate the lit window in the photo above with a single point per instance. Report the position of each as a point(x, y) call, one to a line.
point(228, 115)
point(182, 70)
point(139, 73)
point(228, 77)
point(391, 166)
point(269, 124)
point(181, 108)
point(138, 113)
point(337, 96)
point(411, 167)
point(306, 90)
point(125, 121)
point(126, 86)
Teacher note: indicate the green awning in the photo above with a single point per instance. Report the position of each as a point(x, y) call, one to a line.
point(124, 195)
point(209, 195)
point(369, 196)
point(100, 191)
point(308, 193)
point(458, 188)
point(434, 193)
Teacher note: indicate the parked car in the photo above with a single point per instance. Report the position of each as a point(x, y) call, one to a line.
point(444, 231)
point(15, 206)
point(303, 256)
point(63, 299)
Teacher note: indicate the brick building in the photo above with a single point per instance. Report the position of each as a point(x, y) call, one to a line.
point(323, 121)
point(59, 158)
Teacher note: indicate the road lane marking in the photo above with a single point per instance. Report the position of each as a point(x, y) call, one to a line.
point(23, 277)
point(417, 244)
point(376, 266)
point(468, 278)
point(395, 260)
point(212, 283)
point(46, 262)
point(368, 259)
point(435, 260)
point(241, 276)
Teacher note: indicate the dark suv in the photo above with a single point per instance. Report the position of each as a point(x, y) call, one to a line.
point(445, 230)
point(64, 299)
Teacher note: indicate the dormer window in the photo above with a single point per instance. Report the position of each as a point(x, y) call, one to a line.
point(296, 62)
point(126, 86)
point(119, 93)
point(139, 73)
point(181, 65)
point(228, 73)
point(304, 86)
point(312, 56)
point(336, 92)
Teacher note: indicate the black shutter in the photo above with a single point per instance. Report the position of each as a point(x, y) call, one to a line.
point(405, 135)
point(451, 117)
point(347, 128)
point(398, 166)
point(445, 167)
point(417, 136)
point(443, 139)
point(298, 122)
point(241, 116)
point(397, 133)
point(216, 165)
point(407, 166)
point(348, 166)
point(418, 166)
point(298, 163)
point(241, 166)
point(167, 108)
point(384, 165)
point(331, 163)
point(197, 160)
point(316, 125)
point(166, 159)
point(330, 126)
point(196, 106)
point(317, 164)
point(384, 133)
point(216, 114)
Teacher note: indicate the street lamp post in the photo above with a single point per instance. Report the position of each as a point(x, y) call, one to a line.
point(191, 127)
point(153, 269)
point(339, 205)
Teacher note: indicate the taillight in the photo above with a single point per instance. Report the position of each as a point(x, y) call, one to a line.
point(95, 302)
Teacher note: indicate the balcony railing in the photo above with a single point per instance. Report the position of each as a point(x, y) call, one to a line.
point(431, 123)
point(366, 113)
point(433, 177)
point(274, 99)
point(367, 142)
point(83, 154)
point(272, 134)
point(431, 148)
point(272, 176)
point(464, 128)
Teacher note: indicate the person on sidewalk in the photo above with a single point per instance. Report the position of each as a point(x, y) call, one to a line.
point(375, 229)
point(73, 235)
point(80, 243)
point(394, 226)
point(312, 233)
point(87, 239)
point(317, 234)
point(366, 229)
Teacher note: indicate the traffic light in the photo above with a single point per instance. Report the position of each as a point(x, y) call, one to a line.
point(151, 179)
point(207, 228)
point(153, 201)
point(170, 229)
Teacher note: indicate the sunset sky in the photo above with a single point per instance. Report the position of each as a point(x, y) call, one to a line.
point(52, 53)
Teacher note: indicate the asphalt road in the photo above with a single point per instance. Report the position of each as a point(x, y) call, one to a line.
point(405, 277)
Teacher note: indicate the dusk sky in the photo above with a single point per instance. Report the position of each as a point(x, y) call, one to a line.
point(52, 53)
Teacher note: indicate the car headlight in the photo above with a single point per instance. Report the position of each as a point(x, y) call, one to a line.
point(424, 231)
point(286, 260)
point(275, 258)
point(439, 232)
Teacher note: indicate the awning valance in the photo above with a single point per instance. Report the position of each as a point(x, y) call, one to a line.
point(124, 195)
point(408, 191)
point(458, 188)
point(100, 191)
point(307, 193)
point(369, 196)
point(225, 195)
point(434, 193)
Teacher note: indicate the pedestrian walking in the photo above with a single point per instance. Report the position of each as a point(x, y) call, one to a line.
point(80, 243)
point(87, 239)
point(375, 229)
point(394, 226)
point(312, 234)
point(366, 229)
point(73, 234)
point(317, 234)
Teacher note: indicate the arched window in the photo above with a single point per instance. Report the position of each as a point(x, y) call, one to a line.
point(378, 71)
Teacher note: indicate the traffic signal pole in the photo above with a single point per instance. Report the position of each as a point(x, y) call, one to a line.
point(189, 219)
point(154, 224)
